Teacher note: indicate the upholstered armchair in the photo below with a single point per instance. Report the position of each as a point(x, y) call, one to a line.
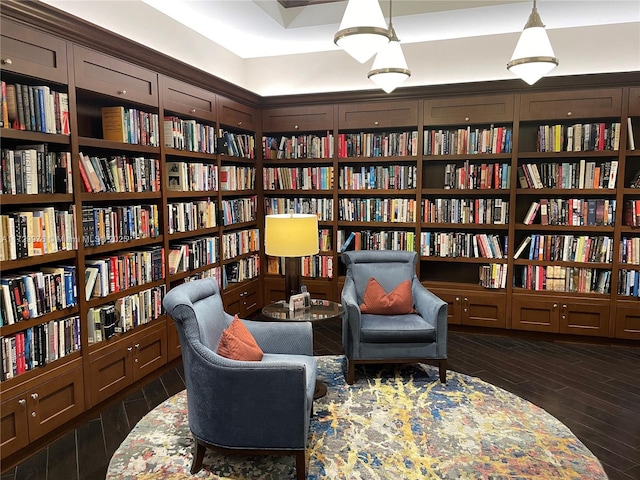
point(252, 407)
point(417, 334)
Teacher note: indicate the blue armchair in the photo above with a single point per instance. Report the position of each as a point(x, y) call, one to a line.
point(237, 406)
point(419, 337)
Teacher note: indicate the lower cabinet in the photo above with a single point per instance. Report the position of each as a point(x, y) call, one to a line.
point(483, 309)
point(243, 299)
point(322, 289)
point(579, 316)
point(628, 319)
point(120, 363)
point(39, 406)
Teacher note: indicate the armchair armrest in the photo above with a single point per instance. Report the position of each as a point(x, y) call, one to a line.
point(434, 310)
point(282, 337)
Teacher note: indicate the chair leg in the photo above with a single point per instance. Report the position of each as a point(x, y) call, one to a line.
point(351, 371)
point(443, 371)
point(301, 465)
point(198, 456)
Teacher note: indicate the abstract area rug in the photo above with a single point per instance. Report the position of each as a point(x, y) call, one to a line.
point(393, 423)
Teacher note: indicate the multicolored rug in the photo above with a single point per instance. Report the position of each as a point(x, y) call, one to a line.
point(391, 424)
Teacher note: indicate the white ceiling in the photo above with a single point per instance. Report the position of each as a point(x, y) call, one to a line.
point(261, 46)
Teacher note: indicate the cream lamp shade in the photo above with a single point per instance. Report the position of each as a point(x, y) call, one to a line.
point(291, 235)
point(389, 69)
point(363, 30)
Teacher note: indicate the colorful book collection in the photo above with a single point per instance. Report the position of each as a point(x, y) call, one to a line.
point(119, 174)
point(391, 177)
point(563, 279)
point(475, 176)
point(297, 178)
point(377, 240)
point(567, 248)
point(629, 282)
point(381, 144)
point(579, 137)
point(240, 243)
point(569, 175)
point(241, 270)
point(239, 210)
point(468, 141)
point(572, 212)
point(236, 144)
point(191, 216)
point(233, 178)
point(117, 224)
point(130, 125)
point(34, 108)
point(32, 169)
point(193, 253)
point(322, 207)
point(39, 345)
point(297, 147)
point(189, 135)
point(215, 273)
point(465, 210)
point(316, 266)
point(401, 210)
point(191, 177)
point(460, 244)
point(631, 213)
point(630, 250)
point(493, 275)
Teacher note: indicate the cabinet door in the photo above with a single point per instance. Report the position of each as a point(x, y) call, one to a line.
point(236, 115)
point(293, 119)
point(29, 52)
point(372, 115)
point(173, 341)
point(634, 102)
point(104, 74)
point(232, 301)
point(628, 320)
point(149, 351)
point(454, 303)
point(484, 310)
point(473, 109)
point(539, 314)
point(110, 370)
point(597, 103)
point(14, 429)
point(250, 298)
point(55, 402)
point(180, 97)
point(584, 317)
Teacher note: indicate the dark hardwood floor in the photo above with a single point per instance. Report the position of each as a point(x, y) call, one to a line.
point(594, 389)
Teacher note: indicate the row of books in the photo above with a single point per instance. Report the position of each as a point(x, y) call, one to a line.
point(493, 275)
point(192, 177)
point(567, 248)
point(39, 345)
point(298, 146)
point(468, 141)
point(377, 209)
point(631, 213)
point(317, 266)
point(240, 242)
point(34, 232)
point(557, 278)
point(124, 270)
point(214, 273)
point(461, 244)
point(190, 216)
point(465, 210)
point(233, 178)
point(32, 169)
point(629, 282)
point(476, 176)
point(582, 174)
point(322, 207)
point(119, 174)
point(297, 178)
point(27, 295)
point(35, 108)
point(237, 144)
point(572, 212)
point(242, 269)
point(239, 210)
point(578, 137)
point(630, 250)
point(377, 240)
point(194, 253)
point(105, 225)
point(130, 125)
point(391, 177)
point(189, 135)
point(126, 313)
point(379, 144)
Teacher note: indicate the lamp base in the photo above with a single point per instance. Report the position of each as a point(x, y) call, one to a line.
point(291, 277)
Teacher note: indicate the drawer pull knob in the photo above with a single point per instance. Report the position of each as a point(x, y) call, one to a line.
point(22, 402)
point(33, 414)
point(569, 114)
point(376, 123)
point(122, 92)
point(7, 61)
point(240, 123)
point(466, 119)
point(296, 127)
point(193, 110)
point(34, 396)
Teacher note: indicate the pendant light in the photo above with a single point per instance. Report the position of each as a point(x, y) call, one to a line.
point(390, 69)
point(363, 30)
point(533, 56)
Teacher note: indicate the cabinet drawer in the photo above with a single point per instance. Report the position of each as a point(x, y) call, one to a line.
point(236, 115)
point(293, 119)
point(182, 98)
point(628, 320)
point(634, 102)
point(579, 104)
point(375, 115)
point(29, 52)
point(104, 74)
point(468, 110)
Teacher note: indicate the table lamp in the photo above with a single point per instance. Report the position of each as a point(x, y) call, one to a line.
point(291, 236)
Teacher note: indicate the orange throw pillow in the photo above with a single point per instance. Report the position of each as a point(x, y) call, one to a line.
point(237, 343)
point(378, 302)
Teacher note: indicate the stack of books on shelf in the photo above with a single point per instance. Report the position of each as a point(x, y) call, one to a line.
point(35, 108)
point(382, 144)
point(119, 174)
point(385, 177)
point(234, 178)
point(240, 242)
point(104, 225)
point(471, 175)
point(297, 178)
point(130, 125)
point(579, 137)
point(192, 177)
point(236, 144)
point(298, 146)
point(322, 207)
point(563, 279)
point(401, 210)
point(468, 141)
point(189, 135)
point(239, 210)
point(466, 210)
point(32, 169)
point(461, 244)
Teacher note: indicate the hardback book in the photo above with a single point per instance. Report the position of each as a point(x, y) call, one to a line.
point(531, 214)
point(113, 124)
point(347, 242)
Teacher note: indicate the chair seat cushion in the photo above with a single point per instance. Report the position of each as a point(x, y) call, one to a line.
point(308, 361)
point(411, 328)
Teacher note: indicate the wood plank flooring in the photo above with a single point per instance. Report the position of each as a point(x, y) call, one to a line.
point(594, 389)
